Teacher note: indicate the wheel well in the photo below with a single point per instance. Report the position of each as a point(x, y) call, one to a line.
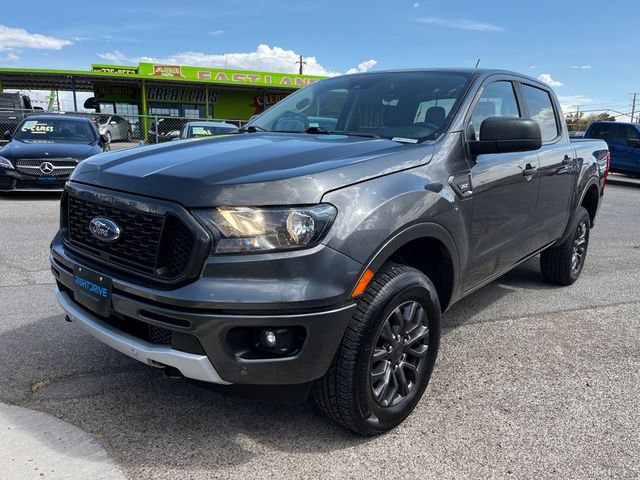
point(590, 202)
point(432, 258)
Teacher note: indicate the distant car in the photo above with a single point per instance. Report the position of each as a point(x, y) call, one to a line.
point(206, 129)
point(14, 107)
point(45, 149)
point(165, 129)
point(114, 127)
point(623, 140)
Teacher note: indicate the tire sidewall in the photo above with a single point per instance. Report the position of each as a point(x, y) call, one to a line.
point(403, 288)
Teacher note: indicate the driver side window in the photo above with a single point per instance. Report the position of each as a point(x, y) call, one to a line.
point(498, 100)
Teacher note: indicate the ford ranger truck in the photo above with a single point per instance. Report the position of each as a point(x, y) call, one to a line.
point(318, 247)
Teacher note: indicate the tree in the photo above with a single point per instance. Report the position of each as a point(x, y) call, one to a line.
point(580, 122)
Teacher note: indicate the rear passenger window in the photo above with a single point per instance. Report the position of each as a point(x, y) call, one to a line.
point(541, 110)
point(603, 131)
point(498, 100)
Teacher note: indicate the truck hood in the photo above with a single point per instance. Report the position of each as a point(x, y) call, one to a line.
point(249, 169)
point(17, 149)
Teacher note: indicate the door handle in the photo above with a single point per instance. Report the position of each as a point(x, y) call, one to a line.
point(529, 171)
point(567, 160)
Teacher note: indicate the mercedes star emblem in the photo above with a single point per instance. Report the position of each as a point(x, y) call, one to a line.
point(46, 168)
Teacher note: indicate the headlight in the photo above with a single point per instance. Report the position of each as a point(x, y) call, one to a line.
point(248, 229)
point(4, 163)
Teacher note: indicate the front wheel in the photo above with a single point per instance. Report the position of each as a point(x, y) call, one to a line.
point(386, 357)
point(562, 264)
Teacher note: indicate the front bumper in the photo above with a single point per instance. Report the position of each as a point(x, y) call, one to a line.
point(13, 180)
point(197, 367)
point(200, 316)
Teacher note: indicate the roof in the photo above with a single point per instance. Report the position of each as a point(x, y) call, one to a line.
point(56, 116)
point(86, 80)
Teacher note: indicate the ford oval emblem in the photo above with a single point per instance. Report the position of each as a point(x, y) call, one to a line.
point(105, 229)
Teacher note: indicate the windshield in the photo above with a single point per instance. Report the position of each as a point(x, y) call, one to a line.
point(103, 119)
point(55, 130)
point(405, 106)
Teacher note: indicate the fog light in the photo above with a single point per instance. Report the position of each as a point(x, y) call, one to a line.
point(269, 338)
point(280, 341)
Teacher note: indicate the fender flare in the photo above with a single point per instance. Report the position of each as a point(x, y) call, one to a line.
point(593, 181)
point(414, 232)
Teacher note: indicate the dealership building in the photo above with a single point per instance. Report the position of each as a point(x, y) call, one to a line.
point(164, 90)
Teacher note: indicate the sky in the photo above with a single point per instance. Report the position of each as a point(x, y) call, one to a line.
point(584, 49)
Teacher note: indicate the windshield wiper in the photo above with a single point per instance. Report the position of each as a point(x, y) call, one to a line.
point(336, 132)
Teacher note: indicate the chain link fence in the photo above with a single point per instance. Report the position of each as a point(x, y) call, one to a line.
point(127, 130)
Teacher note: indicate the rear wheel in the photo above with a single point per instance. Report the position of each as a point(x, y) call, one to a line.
point(562, 264)
point(129, 135)
point(386, 357)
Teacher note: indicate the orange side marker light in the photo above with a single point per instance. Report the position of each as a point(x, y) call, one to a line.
point(363, 283)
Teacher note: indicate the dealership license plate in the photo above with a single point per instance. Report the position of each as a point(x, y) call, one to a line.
point(45, 179)
point(93, 290)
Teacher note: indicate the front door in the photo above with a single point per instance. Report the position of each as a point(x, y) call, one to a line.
point(505, 192)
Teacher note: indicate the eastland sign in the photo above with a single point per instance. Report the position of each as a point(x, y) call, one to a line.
point(243, 77)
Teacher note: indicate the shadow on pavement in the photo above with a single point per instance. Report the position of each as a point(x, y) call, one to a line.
point(145, 420)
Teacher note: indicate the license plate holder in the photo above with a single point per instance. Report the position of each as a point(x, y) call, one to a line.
point(92, 290)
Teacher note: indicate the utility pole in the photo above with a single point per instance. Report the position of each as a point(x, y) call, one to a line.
point(633, 106)
point(301, 64)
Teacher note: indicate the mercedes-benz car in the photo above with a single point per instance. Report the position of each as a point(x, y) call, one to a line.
point(45, 149)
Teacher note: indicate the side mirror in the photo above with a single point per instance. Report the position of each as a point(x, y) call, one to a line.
point(104, 139)
point(7, 136)
point(507, 134)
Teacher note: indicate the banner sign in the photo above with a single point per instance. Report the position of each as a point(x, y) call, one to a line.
point(232, 77)
point(120, 69)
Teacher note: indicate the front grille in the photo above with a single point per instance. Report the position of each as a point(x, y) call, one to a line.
point(151, 244)
point(62, 167)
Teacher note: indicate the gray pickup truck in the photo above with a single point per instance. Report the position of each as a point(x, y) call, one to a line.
point(317, 248)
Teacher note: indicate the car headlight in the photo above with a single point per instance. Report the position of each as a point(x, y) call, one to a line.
point(249, 229)
point(5, 163)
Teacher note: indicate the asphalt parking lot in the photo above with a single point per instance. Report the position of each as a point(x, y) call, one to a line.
point(532, 381)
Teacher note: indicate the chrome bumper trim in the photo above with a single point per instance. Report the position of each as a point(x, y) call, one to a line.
point(197, 367)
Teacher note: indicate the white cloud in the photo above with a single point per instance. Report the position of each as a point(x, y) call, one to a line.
point(569, 103)
point(363, 67)
point(582, 67)
point(115, 57)
point(546, 78)
point(216, 33)
point(533, 67)
point(11, 38)
point(416, 5)
point(460, 23)
point(265, 58)
point(12, 57)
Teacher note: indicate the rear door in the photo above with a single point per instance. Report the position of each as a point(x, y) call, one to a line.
point(505, 191)
point(556, 170)
point(625, 149)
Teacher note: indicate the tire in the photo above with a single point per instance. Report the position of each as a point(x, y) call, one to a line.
point(562, 264)
point(353, 393)
point(129, 135)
